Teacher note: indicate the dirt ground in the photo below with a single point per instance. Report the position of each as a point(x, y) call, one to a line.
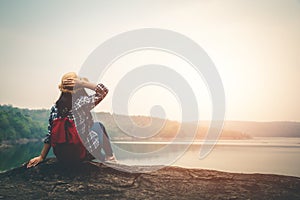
point(90, 180)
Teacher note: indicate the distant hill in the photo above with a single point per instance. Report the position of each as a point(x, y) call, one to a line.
point(167, 129)
point(231, 129)
point(265, 129)
point(16, 123)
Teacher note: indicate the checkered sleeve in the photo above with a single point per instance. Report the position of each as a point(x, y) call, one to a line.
point(53, 115)
point(101, 92)
point(83, 118)
point(89, 102)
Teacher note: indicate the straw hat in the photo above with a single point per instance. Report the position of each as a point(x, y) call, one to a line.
point(67, 89)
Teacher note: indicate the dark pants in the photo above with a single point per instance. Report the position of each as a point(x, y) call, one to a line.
point(104, 141)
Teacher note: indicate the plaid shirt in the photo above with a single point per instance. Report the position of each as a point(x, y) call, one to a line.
point(82, 117)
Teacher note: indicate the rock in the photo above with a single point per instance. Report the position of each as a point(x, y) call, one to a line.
point(5, 146)
point(91, 180)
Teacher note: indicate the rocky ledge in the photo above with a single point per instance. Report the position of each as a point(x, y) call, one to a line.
point(91, 180)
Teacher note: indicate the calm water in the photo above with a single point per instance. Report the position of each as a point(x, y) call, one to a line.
point(258, 155)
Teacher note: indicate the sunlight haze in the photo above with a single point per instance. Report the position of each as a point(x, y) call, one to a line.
point(254, 45)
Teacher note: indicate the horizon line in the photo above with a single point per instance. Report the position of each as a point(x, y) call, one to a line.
point(188, 121)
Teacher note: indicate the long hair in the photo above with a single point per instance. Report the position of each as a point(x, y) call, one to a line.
point(69, 94)
point(64, 102)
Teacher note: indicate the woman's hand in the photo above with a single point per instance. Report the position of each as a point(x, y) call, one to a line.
point(79, 83)
point(71, 82)
point(34, 161)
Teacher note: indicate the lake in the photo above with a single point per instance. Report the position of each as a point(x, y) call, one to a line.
point(276, 155)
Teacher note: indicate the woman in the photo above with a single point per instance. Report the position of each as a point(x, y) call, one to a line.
point(75, 104)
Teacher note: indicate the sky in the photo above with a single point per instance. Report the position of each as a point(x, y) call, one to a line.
point(255, 46)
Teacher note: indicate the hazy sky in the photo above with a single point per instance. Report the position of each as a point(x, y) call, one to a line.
point(255, 45)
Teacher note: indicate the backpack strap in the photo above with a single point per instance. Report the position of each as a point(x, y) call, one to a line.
point(66, 125)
